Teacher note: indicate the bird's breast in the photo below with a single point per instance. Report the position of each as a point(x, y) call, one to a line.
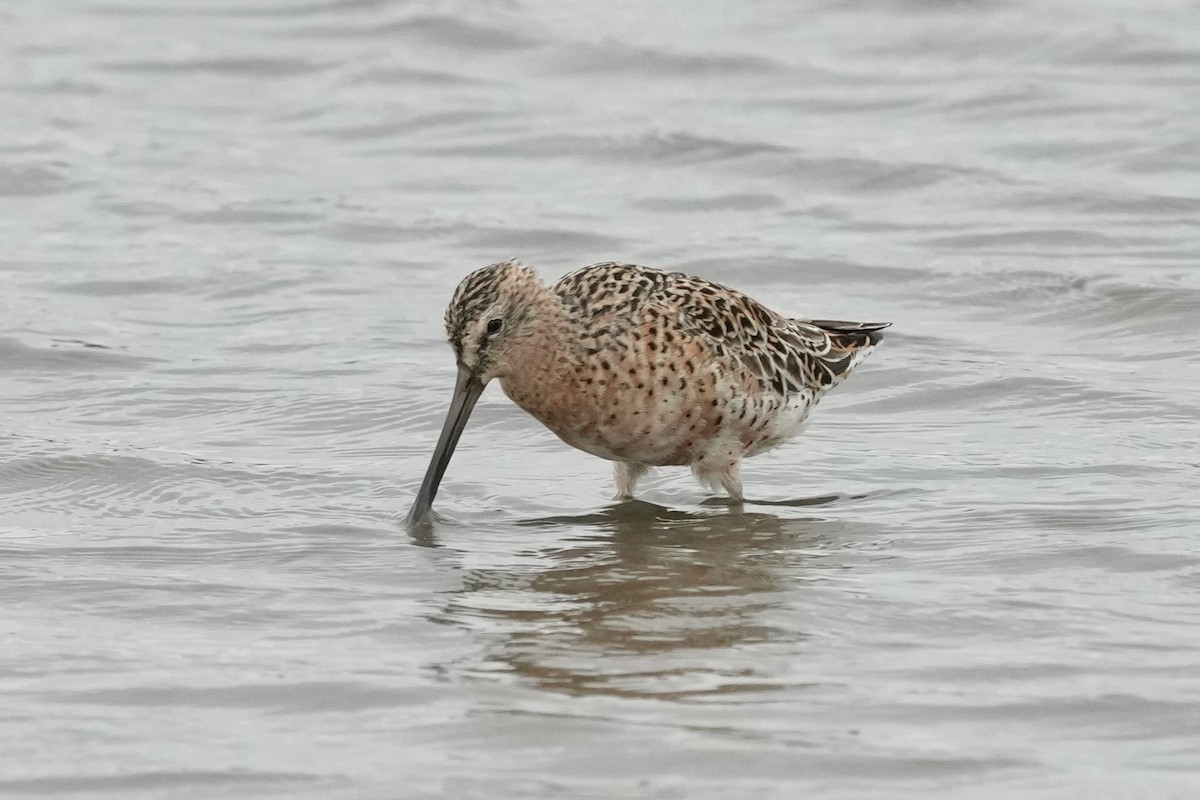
point(660, 410)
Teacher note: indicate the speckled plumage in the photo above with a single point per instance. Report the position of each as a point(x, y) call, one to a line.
point(649, 368)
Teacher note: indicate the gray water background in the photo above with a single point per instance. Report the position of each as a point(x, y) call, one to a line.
point(228, 229)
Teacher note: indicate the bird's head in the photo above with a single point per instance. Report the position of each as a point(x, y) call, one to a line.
point(485, 323)
point(486, 317)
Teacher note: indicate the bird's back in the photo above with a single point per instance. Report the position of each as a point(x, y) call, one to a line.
point(612, 301)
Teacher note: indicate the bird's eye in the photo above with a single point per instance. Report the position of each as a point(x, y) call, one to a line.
point(494, 325)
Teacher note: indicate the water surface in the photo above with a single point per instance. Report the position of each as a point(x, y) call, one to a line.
point(229, 230)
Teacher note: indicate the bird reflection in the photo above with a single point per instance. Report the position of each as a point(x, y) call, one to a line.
point(641, 600)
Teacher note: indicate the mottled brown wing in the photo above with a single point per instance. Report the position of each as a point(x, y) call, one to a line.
point(788, 355)
point(849, 341)
point(610, 299)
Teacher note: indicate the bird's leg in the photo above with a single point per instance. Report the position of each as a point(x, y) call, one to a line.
point(727, 477)
point(721, 468)
point(627, 474)
point(731, 480)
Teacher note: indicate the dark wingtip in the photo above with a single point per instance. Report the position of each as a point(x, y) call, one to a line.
point(872, 330)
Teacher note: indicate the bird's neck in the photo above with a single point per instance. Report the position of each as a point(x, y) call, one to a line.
point(547, 363)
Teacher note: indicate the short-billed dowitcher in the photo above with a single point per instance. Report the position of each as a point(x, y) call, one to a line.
point(641, 367)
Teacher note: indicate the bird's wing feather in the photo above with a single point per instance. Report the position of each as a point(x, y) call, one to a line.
point(788, 355)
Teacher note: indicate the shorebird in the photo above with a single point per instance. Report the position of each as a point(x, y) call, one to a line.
point(641, 367)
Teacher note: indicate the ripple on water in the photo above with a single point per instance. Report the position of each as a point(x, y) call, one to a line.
point(70, 356)
point(426, 31)
point(121, 288)
point(617, 57)
point(231, 66)
point(1084, 306)
point(154, 486)
point(36, 180)
point(724, 202)
point(667, 147)
point(250, 781)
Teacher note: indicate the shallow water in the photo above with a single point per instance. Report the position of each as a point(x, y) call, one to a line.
point(229, 230)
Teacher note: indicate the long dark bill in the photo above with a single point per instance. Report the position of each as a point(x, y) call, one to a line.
point(466, 391)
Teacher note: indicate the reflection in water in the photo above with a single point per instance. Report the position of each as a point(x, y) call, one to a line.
point(639, 602)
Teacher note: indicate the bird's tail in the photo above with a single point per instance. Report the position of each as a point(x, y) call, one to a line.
point(851, 342)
